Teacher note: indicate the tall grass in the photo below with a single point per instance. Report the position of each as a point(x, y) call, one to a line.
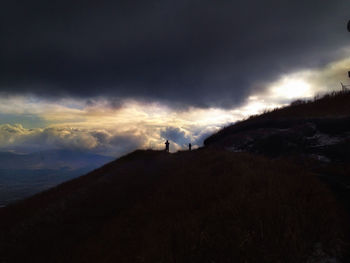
point(332, 105)
point(200, 206)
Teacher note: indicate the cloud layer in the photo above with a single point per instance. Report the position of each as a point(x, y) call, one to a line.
point(101, 128)
point(18, 138)
point(197, 53)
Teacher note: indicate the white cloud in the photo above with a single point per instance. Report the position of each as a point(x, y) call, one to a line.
point(116, 128)
point(16, 137)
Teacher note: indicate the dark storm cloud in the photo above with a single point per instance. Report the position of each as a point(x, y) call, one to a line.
point(189, 52)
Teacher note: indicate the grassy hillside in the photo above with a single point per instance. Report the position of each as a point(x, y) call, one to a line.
point(207, 205)
point(201, 206)
point(329, 107)
point(333, 104)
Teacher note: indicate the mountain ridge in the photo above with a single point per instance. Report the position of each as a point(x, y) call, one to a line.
point(295, 129)
point(212, 204)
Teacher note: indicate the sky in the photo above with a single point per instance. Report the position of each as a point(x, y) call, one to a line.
point(112, 76)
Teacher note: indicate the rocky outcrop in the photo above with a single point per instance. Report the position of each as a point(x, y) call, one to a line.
point(327, 139)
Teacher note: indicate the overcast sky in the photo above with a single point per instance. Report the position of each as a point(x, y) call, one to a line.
point(115, 75)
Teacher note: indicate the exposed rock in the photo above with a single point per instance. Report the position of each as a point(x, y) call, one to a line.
point(326, 139)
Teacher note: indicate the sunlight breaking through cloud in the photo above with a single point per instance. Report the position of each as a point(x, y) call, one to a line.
point(291, 88)
point(115, 127)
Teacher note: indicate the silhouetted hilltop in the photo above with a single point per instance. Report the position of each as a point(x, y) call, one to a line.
point(319, 128)
point(214, 204)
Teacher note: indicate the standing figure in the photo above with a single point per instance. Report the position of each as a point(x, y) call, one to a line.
point(189, 146)
point(167, 146)
point(348, 26)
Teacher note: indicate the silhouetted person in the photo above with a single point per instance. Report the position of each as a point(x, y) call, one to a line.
point(189, 146)
point(167, 146)
point(348, 26)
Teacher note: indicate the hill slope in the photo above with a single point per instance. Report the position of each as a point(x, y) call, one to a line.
point(200, 206)
point(214, 204)
point(319, 128)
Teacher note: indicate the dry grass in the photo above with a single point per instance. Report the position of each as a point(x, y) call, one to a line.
point(333, 105)
point(200, 206)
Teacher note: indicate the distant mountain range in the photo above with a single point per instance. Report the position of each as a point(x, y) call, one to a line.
point(22, 175)
point(52, 159)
